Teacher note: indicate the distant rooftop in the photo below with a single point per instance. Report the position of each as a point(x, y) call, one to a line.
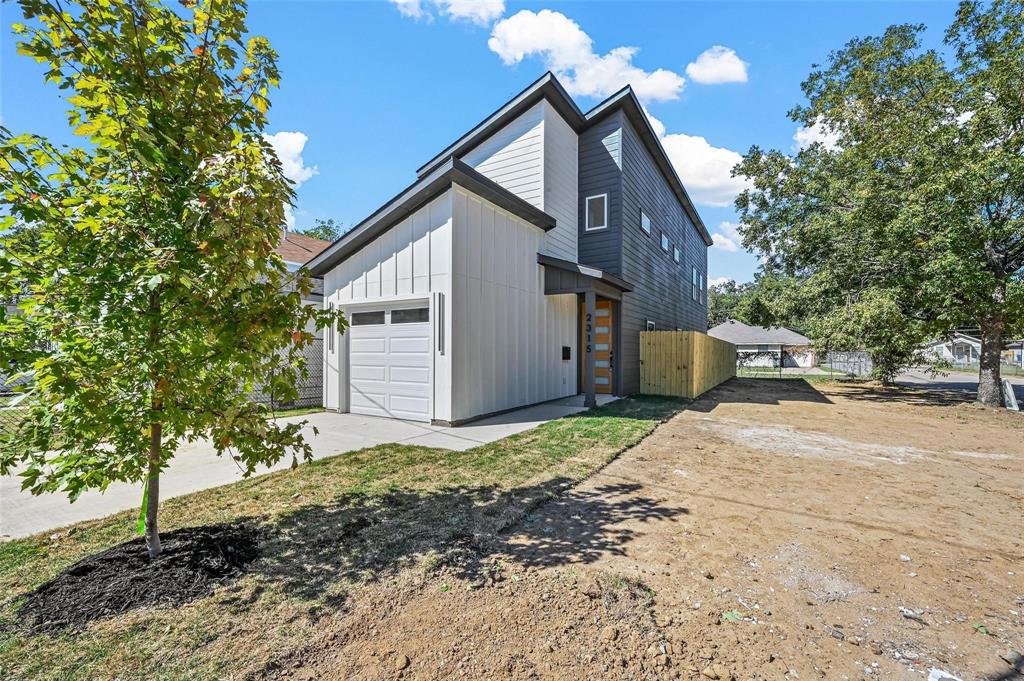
point(299, 248)
point(738, 333)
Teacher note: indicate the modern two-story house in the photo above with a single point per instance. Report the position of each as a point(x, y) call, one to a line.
point(520, 267)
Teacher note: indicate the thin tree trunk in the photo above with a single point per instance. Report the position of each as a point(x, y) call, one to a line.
point(990, 384)
point(153, 491)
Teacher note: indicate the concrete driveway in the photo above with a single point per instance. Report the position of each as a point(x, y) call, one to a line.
point(196, 466)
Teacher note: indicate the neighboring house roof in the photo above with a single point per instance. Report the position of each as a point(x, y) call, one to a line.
point(417, 194)
point(548, 87)
point(955, 337)
point(299, 248)
point(738, 333)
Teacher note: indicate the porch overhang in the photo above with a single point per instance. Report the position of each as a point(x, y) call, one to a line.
point(565, 276)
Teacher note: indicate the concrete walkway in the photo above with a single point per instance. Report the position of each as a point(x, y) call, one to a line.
point(196, 466)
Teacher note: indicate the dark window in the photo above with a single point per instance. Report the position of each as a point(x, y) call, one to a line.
point(367, 318)
point(597, 212)
point(419, 314)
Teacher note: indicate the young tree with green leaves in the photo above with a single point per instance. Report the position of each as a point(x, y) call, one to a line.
point(912, 224)
point(153, 301)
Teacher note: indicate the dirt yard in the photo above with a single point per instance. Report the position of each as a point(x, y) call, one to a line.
point(773, 530)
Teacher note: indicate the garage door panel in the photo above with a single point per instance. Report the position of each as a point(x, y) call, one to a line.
point(416, 375)
point(361, 344)
point(415, 345)
point(389, 369)
point(369, 373)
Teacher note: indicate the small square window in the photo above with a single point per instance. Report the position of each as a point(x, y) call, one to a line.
point(645, 222)
point(664, 242)
point(677, 255)
point(650, 325)
point(597, 212)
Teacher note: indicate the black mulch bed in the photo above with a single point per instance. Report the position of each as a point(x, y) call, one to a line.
point(193, 561)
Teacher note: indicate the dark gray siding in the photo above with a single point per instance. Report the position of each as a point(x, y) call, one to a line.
point(600, 173)
point(661, 287)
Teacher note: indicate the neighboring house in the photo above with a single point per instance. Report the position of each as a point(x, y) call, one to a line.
point(296, 250)
point(958, 347)
point(766, 346)
point(520, 267)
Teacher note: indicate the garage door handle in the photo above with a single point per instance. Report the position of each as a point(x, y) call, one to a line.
point(440, 323)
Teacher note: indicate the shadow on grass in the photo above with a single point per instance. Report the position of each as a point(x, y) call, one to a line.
point(367, 539)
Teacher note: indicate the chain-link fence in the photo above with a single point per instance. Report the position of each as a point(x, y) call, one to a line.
point(856, 363)
point(310, 388)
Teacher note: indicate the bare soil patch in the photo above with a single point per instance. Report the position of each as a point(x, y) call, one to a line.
point(122, 578)
point(773, 530)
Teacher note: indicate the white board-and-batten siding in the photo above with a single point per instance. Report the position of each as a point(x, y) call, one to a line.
point(503, 337)
point(411, 261)
point(507, 336)
point(535, 157)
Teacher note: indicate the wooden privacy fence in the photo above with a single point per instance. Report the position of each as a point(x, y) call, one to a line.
point(683, 363)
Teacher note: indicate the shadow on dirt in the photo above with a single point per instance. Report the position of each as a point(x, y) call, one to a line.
point(771, 391)
point(367, 539)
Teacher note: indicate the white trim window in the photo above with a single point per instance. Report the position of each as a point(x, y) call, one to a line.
point(651, 326)
point(693, 283)
point(664, 242)
point(677, 255)
point(596, 212)
point(645, 223)
point(703, 295)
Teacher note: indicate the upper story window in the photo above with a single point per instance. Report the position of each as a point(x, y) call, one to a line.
point(693, 290)
point(664, 242)
point(645, 222)
point(677, 255)
point(597, 212)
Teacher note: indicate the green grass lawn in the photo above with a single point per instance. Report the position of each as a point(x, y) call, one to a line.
point(332, 526)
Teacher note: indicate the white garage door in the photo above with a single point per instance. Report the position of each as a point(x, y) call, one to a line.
point(389, 362)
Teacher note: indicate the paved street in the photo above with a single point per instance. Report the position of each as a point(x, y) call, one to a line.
point(955, 380)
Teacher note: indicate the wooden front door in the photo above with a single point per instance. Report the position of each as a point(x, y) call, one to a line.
point(601, 337)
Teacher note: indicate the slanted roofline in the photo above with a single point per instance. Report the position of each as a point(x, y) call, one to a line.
point(415, 196)
point(548, 88)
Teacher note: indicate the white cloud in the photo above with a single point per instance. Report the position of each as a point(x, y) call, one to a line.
point(480, 12)
point(288, 146)
point(569, 52)
point(706, 170)
point(727, 237)
point(410, 8)
point(717, 281)
point(805, 136)
point(716, 65)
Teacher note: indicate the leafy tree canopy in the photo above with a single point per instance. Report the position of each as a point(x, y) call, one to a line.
point(154, 301)
point(912, 223)
point(328, 229)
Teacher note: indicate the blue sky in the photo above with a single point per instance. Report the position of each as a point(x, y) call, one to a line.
point(371, 90)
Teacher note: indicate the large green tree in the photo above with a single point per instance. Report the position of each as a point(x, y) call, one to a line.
point(152, 301)
point(911, 223)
